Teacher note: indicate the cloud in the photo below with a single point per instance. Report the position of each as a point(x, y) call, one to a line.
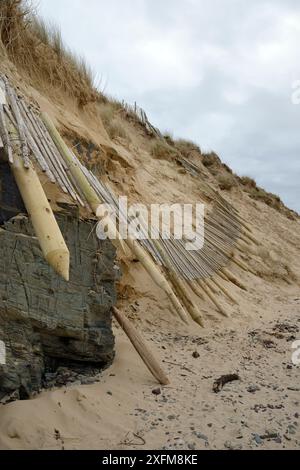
point(218, 72)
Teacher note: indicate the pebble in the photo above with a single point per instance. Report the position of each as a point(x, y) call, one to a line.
point(192, 446)
point(257, 439)
point(87, 381)
point(232, 446)
point(200, 436)
point(291, 429)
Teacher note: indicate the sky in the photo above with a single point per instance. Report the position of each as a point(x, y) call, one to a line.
point(223, 73)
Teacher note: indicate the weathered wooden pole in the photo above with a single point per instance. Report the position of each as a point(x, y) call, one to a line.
point(42, 218)
point(39, 210)
point(141, 348)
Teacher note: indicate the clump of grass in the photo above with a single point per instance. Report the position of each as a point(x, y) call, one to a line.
point(116, 129)
point(211, 159)
point(107, 113)
point(37, 47)
point(248, 182)
point(270, 199)
point(161, 150)
point(41, 29)
point(227, 182)
point(259, 194)
point(168, 136)
point(186, 147)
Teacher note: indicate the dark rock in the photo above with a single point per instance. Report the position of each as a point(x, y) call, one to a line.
point(196, 355)
point(156, 391)
point(257, 439)
point(253, 389)
point(199, 435)
point(269, 344)
point(271, 435)
point(46, 322)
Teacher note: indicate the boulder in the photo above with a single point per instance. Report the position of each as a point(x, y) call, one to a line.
point(43, 319)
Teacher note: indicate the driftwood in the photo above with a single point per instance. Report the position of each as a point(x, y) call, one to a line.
point(141, 347)
point(223, 380)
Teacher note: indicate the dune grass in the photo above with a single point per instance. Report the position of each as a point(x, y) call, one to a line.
point(38, 48)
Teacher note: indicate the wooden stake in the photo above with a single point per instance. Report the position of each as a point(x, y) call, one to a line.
point(228, 274)
point(212, 298)
point(182, 291)
point(250, 237)
point(39, 210)
point(141, 347)
point(242, 265)
point(224, 290)
point(211, 286)
point(195, 288)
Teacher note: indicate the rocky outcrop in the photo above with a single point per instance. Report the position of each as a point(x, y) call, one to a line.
point(46, 322)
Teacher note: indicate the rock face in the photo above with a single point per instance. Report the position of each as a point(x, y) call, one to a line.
point(43, 319)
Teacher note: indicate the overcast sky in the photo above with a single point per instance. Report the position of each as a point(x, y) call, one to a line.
point(219, 72)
